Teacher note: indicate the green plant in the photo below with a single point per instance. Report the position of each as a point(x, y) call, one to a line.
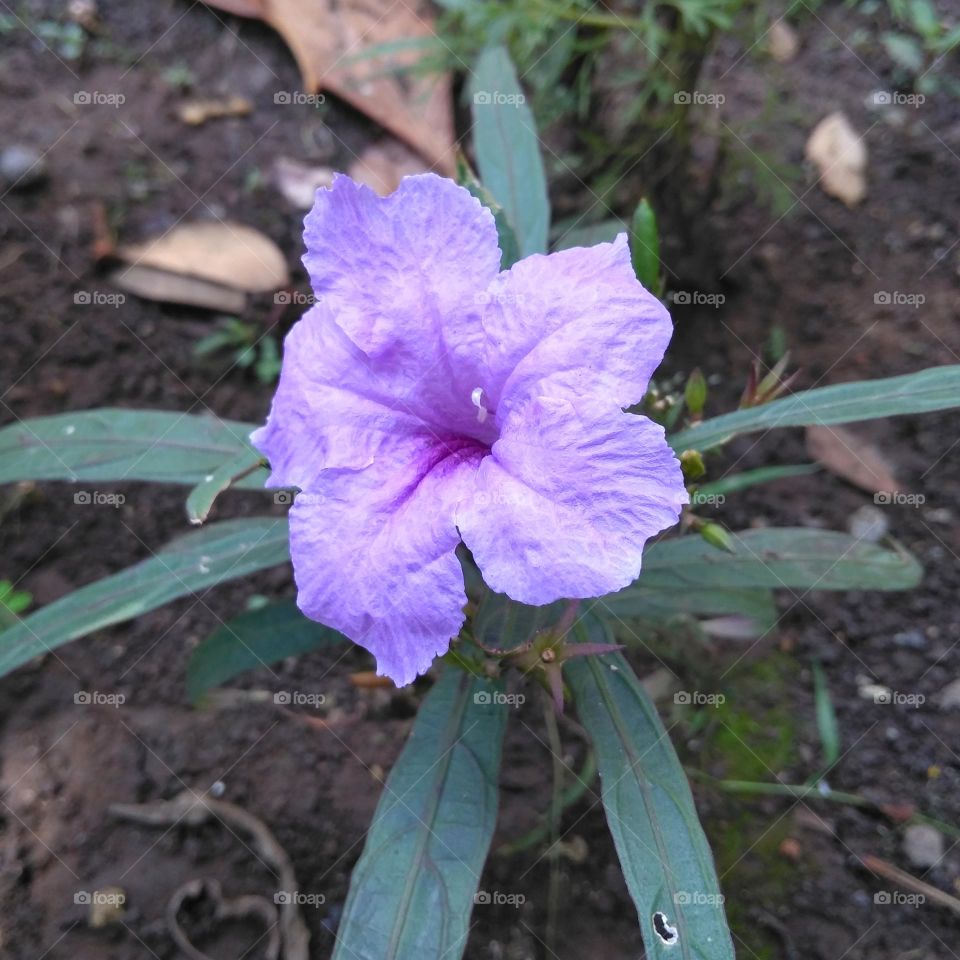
point(247, 347)
point(417, 881)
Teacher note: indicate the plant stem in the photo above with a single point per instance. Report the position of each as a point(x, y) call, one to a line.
point(814, 792)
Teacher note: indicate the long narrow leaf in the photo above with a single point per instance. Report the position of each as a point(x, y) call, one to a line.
point(657, 602)
point(662, 848)
point(191, 563)
point(508, 149)
point(254, 639)
point(793, 557)
point(414, 886)
point(927, 390)
point(114, 445)
point(752, 478)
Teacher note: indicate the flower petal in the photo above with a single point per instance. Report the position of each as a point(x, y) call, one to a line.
point(568, 497)
point(574, 323)
point(374, 551)
point(334, 407)
point(404, 277)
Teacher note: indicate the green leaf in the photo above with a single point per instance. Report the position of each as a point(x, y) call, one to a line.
point(413, 888)
point(112, 444)
point(658, 603)
point(905, 51)
point(503, 624)
point(508, 150)
point(229, 473)
point(258, 638)
point(574, 234)
point(935, 389)
point(664, 854)
point(506, 236)
point(751, 478)
point(185, 566)
point(826, 718)
point(645, 246)
point(793, 557)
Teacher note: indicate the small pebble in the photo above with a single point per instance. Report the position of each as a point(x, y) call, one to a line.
point(949, 697)
point(868, 523)
point(914, 639)
point(922, 845)
point(21, 167)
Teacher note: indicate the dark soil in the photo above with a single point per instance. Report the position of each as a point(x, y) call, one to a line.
point(814, 272)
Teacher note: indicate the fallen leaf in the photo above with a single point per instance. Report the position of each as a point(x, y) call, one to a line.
point(782, 41)
point(840, 157)
point(299, 182)
point(331, 40)
point(152, 284)
point(195, 112)
point(229, 254)
point(383, 165)
point(368, 680)
point(851, 457)
point(106, 907)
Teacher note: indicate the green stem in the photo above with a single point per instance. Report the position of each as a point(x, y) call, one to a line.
point(808, 792)
point(570, 796)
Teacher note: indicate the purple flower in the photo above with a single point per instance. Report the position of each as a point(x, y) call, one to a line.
point(428, 398)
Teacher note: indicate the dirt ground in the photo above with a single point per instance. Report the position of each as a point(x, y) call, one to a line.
point(814, 271)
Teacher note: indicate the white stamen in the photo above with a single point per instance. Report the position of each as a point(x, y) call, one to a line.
point(476, 398)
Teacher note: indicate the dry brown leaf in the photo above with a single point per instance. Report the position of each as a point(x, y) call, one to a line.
point(782, 41)
point(153, 284)
point(852, 458)
point(840, 157)
point(195, 112)
point(229, 254)
point(329, 40)
point(299, 182)
point(383, 165)
point(368, 680)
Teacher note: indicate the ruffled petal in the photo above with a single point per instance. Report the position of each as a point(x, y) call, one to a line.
point(569, 495)
point(403, 277)
point(574, 323)
point(334, 407)
point(374, 552)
